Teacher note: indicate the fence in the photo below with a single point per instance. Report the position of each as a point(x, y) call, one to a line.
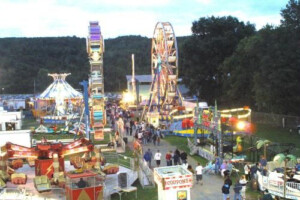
point(200, 151)
point(146, 176)
point(119, 159)
point(276, 187)
point(277, 120)
point(24, 194)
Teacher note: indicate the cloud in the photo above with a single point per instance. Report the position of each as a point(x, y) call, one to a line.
point(259, 20)
point(40, 18)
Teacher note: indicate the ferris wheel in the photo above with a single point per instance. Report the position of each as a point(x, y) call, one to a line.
point(164, 94)
point(164, 66)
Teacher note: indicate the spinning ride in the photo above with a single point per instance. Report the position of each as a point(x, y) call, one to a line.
point(164, 94)
point(95, 50)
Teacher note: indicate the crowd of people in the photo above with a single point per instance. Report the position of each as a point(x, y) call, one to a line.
point(149, 137)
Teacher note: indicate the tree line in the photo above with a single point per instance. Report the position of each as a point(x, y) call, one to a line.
point(224, 59)
point(229, 61)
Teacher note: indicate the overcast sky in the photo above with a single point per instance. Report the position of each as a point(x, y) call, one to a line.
point(43, 18)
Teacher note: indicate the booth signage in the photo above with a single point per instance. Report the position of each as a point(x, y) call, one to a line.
point(178, 182)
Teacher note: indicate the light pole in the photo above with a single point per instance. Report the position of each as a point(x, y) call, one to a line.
point(196, 122)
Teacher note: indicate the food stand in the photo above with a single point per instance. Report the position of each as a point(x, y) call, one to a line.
point(84, 186)
point(173, 182)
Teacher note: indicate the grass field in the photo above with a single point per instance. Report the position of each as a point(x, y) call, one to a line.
point(142, 194)
point(277, 134)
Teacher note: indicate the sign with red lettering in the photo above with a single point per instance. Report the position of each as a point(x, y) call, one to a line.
point(178, 182)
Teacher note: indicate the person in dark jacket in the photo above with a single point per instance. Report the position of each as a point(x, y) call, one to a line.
point(253, 171)
point(148, 157)
point(267, 196)
point(226, 187)
point(183, 157)
point(176, 157)
point(81, 183)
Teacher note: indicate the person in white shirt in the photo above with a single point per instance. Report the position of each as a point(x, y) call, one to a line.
point(243, 182)
point(199, 170)
point(157, 158)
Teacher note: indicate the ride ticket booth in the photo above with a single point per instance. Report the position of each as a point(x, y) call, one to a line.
point(173, 182)
point(84, 186)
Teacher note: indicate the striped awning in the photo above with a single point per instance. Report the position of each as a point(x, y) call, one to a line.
point(60, 88)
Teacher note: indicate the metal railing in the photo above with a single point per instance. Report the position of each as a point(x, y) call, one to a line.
point(25, 194)
point(200, 151)
point(119, 159)
point(145, 174)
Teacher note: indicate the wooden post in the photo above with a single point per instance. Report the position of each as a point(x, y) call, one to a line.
point(284, 178)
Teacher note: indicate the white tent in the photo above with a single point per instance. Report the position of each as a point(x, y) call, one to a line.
point(60, 91)
point(60, 88)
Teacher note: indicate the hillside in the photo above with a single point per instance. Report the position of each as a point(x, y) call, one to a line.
point(25, 60)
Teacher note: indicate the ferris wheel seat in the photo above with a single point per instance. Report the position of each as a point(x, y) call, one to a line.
point(172, 77)
point(171, 94)
point(95, 38)
point(171, 58)
point(170, 42)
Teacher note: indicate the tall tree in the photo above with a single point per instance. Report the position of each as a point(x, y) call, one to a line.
point(214, 39)
point(291, 15)
point(238, 71)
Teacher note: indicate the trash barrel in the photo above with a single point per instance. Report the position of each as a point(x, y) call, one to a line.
point(254, 184)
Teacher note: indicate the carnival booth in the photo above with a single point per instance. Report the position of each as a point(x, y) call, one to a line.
point(86, 186)
point(173, 182)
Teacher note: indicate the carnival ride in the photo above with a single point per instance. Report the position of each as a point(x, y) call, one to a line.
point(239, 118)
point(59, 102)
point(164, 94)
point(95, 50)
point(281, 179)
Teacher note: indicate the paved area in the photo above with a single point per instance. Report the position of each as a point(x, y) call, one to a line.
point(212, 184)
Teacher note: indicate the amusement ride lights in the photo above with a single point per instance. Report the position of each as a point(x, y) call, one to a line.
point(95, 50)
point(164, 94)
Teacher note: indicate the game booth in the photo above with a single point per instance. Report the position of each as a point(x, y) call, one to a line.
point(86, 186)
point(173, 182)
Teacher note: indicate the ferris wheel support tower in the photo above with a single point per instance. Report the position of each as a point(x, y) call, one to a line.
point(95, 50)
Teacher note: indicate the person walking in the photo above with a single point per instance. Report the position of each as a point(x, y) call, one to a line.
point(226, 188)
point(199, 171)
point(253, 171)
point(157, 158)
point(237, 191)
point(217, 164)
point(243, 182)
point(247, 171)
point(148, 157)
point(176, 157)
point(131, 127)
point(154, 138)
point(169, 158)
point(127, 127)
point(183, 157)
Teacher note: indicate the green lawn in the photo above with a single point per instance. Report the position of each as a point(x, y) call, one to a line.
point(276, 134)
point(52, 136)
point(142, 194)
point(27, 123)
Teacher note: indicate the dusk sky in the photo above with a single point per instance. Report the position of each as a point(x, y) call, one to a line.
point(52, 18)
